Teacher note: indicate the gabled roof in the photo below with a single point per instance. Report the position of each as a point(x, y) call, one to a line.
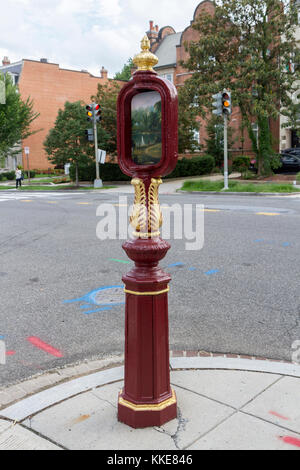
point(12, 68)
point(166, 51)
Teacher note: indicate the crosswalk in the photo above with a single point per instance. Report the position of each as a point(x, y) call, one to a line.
point(18, 196)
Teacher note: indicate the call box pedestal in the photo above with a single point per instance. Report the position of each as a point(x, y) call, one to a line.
point(146, 153)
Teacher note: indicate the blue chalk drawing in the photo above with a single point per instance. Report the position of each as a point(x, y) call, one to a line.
point(286, 244)
point(175, 264)
point(213, 271)
point(105, 298)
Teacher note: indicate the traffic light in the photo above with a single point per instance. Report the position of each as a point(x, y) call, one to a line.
point(90, 113)
point(98, 112)
point(89, 134)
point(226, 103)
point(217, 104)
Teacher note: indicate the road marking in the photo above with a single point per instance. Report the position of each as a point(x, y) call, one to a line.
point(271, 214)
point(84, 203)
point(175, 264)
point(119, 261)
point(290, 440)
point(213, 271)
point(38, 343)
point(51, 202)
point(26, 200)
point(210, 210)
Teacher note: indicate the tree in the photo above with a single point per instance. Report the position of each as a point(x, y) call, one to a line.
point(187, 121)
point(107, 97)
point(125, 73)
point(246, 47)
point(16, 117)
point(66, 142)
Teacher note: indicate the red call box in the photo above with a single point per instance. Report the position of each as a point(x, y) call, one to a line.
point(147, 151)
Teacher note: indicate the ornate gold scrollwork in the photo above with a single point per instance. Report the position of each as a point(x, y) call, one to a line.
point(154, 211)
point(146, 220)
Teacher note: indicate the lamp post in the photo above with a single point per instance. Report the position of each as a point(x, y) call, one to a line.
point(147, 152)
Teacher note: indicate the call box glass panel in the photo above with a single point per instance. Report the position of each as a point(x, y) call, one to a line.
point(146, 133)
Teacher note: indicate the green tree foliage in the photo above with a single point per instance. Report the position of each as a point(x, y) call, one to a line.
point(247, 47)
point(66, 142)
point(16, 117)
point(187, 121)
point(125, 73)
point(107, 97)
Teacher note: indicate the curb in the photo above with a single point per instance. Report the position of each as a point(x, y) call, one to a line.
point(227, 193)
point(36, 401)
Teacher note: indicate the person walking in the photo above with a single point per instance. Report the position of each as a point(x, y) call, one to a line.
point(18, 178)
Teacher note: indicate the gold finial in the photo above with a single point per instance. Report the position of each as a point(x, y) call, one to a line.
point(145, 60)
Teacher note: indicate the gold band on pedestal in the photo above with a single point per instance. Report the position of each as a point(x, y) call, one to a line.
point(156, 407)
point(147, 293)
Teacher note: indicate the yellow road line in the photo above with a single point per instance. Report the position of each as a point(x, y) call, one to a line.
point(26, 200)
point(83, 203)
point(271, 214)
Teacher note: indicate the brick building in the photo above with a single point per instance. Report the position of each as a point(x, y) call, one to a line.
point(168, 46)
point(49, 86)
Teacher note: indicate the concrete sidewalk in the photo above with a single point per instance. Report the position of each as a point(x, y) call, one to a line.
point(222, 404)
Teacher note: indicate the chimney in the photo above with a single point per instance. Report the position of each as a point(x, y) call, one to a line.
point(152, 33)
point(103, 73)
point(44, 61)
point(5, 61)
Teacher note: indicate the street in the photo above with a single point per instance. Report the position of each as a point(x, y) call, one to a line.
point(239, 294)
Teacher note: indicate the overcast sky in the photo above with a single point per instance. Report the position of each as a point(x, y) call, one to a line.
point(85, 34)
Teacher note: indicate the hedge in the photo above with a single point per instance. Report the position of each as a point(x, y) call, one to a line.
point(195, 166)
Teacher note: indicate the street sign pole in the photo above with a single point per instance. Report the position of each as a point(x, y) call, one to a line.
point(28, 169)
point(98, 182)
point(226, 186)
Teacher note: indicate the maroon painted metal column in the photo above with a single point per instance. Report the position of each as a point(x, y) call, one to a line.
point(147, 149)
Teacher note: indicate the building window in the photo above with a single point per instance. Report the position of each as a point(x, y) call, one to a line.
point(168, 76)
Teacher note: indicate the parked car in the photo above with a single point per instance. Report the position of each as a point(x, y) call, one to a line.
point(290, 162)
point(292, 151)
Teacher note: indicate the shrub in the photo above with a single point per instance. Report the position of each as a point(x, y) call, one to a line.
point(1, 177)
point(248, 175)
point(64, 179)
point(298, 178)
point(195, 166)
point(241, 163)
point(32, 174)
point(9, 175)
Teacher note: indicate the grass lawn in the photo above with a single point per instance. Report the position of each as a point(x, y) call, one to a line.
point(237, 187)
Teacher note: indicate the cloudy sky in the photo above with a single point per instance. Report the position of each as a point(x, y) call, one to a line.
point(85, 34)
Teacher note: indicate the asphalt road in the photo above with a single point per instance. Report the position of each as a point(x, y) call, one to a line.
point(239, 294)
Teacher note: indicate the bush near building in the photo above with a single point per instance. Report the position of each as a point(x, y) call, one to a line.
point(195, 166)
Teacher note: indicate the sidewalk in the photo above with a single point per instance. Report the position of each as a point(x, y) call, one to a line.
point(171, 186)
point(223, 403)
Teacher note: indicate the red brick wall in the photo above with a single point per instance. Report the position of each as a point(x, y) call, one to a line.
point(50, 87)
